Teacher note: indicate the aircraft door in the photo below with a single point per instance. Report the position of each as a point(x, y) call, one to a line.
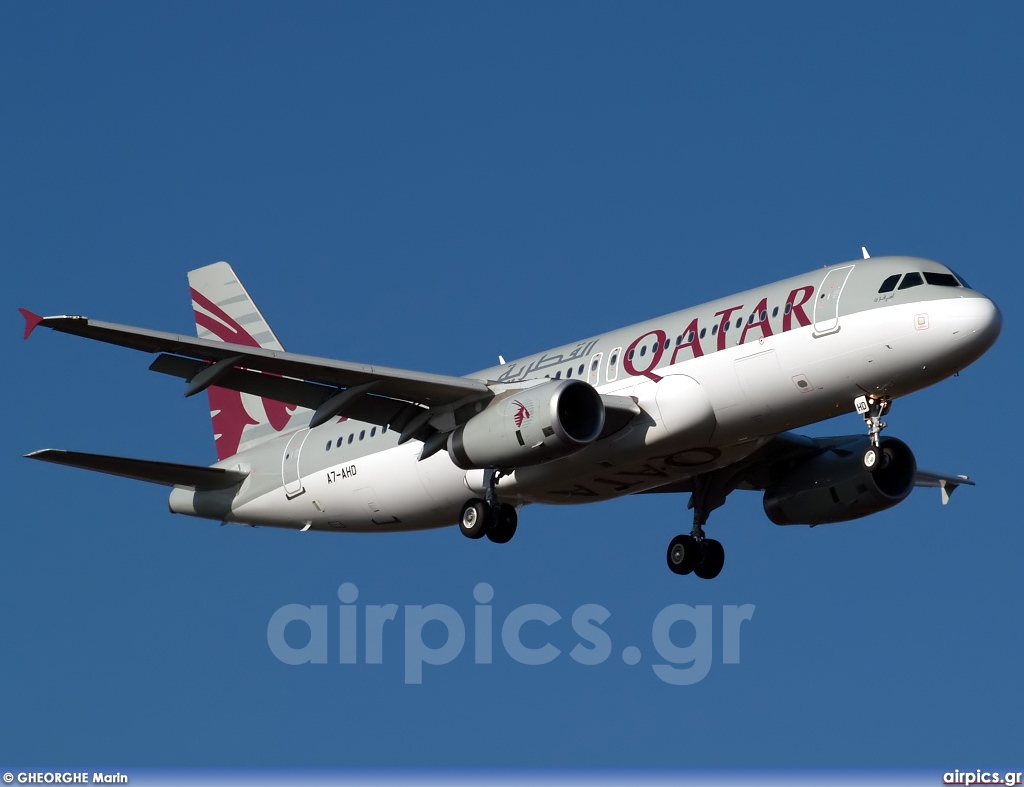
point(594, 377)
point(826, 304)
point(613, 365)
point(290, 465)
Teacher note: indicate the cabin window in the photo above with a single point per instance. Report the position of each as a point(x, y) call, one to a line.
point(630, 355)
point(750, 320)
point(362, 434)
point(714, 329)
point(775, 312)
point(373, 432)
point(558, 375)
point(890, 284)
point(340, 440)
point(350, 439)
point(941, 279)
point(328, 446)
point(666, 344)
point(690, 337)
point(912, 279)
point(568, 373)
point(643, 351)
point(703, 332)
point(593, 366)
point(725, 327)
point(739, 321)
point(789, 307)
point(614, 358)
point(580, 370)
point(383, 429)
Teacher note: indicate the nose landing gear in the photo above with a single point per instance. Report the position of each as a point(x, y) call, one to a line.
point(873, 408)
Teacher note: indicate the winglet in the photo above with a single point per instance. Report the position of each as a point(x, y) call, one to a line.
point(31, 321)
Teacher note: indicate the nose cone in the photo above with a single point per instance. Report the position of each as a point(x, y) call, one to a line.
point(988, 322)
point(978, 323)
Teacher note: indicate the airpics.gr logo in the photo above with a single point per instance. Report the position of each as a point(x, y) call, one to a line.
point(521, 414)
point(529, 634)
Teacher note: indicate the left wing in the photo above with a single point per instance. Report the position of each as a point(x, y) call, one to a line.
point(375, 394)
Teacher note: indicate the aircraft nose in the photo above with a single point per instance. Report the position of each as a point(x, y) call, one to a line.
point(990, 321)
point(980, 323)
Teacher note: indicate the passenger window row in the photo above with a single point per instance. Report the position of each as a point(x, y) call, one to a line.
point(352, 437)
point(568, 372)
point(689, 337)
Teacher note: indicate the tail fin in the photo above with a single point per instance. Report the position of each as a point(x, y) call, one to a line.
point(225, 312)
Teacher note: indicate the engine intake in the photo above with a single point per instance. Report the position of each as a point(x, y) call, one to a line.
point(836, 487)
point(530, 426)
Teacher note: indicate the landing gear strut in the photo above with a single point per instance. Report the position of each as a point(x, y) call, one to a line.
point(873, 408)
point(489, 517)
point(695, 553)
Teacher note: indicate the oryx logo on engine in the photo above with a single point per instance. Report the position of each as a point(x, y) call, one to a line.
point(521, 414)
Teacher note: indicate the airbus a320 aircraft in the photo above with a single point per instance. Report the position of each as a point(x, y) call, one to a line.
point(698, 401)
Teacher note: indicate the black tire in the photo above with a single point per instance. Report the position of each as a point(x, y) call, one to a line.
point(475, 519)
point(712, 558)
point(504, 526)
point(872, 459)
point(683, 553)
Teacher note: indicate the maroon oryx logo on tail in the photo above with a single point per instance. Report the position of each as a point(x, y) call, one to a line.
point(521, 414)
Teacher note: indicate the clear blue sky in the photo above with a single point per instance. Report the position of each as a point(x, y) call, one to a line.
point(430, 185)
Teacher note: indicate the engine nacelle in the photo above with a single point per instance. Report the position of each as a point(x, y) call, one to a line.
point(836, 487)
point(530, 426)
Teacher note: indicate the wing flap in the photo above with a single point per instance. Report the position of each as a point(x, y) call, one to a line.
point(165, 473)
point(367, 407)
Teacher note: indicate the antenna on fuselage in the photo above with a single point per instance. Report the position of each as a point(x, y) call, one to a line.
point(864, 251)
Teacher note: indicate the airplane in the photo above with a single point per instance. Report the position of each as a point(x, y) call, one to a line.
point(701, 401)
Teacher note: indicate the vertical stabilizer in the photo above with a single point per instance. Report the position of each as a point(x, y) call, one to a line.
point(225, 312)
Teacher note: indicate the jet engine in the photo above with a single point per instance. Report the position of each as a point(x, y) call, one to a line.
point(835, 486)
point(530, 426)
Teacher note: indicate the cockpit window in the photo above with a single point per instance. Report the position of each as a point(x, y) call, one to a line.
point(912, 279)
point(890, 284)
point(960, 279)
point(941, 279)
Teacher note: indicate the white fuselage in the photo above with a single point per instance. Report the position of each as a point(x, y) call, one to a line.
point(698, 413)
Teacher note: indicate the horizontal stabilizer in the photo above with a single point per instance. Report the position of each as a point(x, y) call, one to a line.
point(166, 473)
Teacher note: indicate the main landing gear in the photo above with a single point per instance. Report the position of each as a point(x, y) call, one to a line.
point(489, 517)
point(873, 408)
point(695, 553)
